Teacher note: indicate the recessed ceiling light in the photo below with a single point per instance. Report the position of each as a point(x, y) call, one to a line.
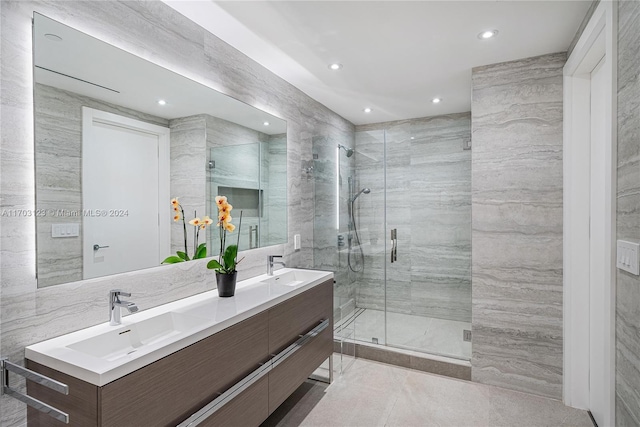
point(335, 66)
point(54, 37)
point(367, 110)
point(266, 123)
point(489, 34)
point(162, 102)
point(413, 137)
point(436, 100)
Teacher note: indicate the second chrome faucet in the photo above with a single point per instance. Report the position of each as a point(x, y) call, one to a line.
point(271, 263)
point(115, 316)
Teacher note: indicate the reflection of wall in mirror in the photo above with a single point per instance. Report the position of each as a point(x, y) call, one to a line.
point(188, 175)
point(276, 198)
point(58, 130)
point(243, 161)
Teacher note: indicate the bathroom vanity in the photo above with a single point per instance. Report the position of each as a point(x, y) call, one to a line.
point(203, 360)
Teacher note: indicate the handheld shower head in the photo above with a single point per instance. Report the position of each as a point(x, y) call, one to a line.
point(348, 150)
point(364, 190)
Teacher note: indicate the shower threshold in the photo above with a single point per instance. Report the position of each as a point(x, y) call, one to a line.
point(418, 342)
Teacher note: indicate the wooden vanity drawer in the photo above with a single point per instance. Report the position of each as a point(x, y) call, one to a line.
point(289, 320)
point(299, 315)
point(81, 403)
point(285, 378)
point(168, 391)
point(249, 408)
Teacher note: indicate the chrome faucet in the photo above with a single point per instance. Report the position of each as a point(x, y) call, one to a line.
point(115, 317)
point(271, 262)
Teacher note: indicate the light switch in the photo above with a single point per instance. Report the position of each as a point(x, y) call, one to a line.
point(627, 256)
point(65, 230)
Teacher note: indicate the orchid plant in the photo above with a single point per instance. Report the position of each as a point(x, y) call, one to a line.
point(226, 262)
point(199, 250)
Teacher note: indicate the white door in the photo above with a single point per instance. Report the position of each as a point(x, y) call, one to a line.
point(597, 257)
point(125, 198)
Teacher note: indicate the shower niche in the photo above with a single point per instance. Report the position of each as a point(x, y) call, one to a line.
point(247, 200)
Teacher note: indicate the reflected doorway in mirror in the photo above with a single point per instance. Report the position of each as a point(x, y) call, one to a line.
point(125, 185)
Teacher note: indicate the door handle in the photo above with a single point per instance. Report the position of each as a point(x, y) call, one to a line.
point(96, 247)
point(394, 245)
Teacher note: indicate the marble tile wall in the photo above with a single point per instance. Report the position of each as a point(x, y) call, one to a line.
point(428, 199)
point(516, 116)
point(441, 217)
point(58, 143)
point(188, 159)
point(628, 214)
point(157, 33)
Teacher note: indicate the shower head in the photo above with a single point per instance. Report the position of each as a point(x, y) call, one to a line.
point(364, 190)
point(348, 150)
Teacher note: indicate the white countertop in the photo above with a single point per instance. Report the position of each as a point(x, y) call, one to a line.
point(212, 313)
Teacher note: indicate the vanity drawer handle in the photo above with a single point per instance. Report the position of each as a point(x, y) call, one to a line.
point(219, 402)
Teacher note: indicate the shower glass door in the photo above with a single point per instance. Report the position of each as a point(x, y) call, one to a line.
point(414, 291)
point(403, 327)
point(371, 241)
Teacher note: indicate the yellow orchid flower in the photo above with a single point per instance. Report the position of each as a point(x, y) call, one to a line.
point(221, 201)
point(207, 221)
point(225, 208)
point(175, 203)
point(202, 227)
point(224, 217)
point(229, 227)
point(176, 217)
point(195, 222)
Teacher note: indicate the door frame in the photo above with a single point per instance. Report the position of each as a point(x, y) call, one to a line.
point(90, 116)
point(598, 39)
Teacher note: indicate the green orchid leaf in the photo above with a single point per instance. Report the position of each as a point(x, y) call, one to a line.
point(214, 265)
point(229, 257)
point(172, 260)
point(183, 255)
point(201, 252)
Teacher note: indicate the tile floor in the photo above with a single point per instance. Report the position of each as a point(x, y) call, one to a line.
point(375, 394)
point(435, 336)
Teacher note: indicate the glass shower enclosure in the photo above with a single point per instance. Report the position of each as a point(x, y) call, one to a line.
point(402, 199)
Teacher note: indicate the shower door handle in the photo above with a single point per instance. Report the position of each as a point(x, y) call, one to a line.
point(394, 245)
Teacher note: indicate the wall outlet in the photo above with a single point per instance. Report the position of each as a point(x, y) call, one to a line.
point(296, 242)
point(65, 230)
point(627, 257)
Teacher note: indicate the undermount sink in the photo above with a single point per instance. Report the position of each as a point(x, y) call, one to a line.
point(291, 278)
point(128, 339)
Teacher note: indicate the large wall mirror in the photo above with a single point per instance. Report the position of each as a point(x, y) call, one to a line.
point(117, 137)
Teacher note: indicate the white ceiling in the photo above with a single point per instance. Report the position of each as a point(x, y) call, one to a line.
point(397, 55)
